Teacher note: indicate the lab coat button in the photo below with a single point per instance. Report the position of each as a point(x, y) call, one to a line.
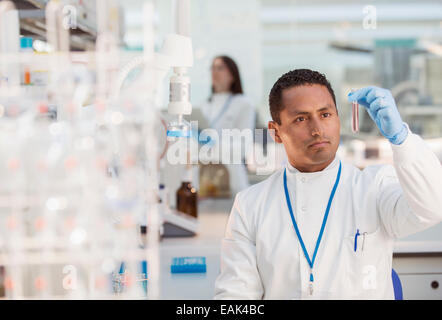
point(303, 208)
point(303, 179)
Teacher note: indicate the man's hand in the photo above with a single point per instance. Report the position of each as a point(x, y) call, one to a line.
point(382, 109)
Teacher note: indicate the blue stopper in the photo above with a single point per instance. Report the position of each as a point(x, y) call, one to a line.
point(178, 134)
point(25, 42)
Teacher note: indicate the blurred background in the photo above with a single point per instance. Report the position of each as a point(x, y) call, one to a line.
point(392, 44)
point(388, 43)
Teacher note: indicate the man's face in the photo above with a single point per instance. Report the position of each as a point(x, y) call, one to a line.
point(308, 117)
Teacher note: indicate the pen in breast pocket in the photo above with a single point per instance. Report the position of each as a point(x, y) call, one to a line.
point(363, 240)
point(357, 234)
point(356, 238)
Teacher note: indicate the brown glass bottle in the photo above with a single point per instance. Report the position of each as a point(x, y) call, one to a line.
point(187, 199)
point(2, 281)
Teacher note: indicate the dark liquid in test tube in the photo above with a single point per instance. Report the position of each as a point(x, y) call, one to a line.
point(354, 116)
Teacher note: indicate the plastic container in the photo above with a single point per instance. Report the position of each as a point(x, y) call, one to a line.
point(26, 46)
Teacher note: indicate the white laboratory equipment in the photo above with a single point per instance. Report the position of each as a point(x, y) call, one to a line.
point(76, 189)
point(178, 48)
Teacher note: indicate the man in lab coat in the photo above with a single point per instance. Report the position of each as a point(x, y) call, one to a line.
point(321, 228)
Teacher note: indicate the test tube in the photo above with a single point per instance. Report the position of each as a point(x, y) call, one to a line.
point(354, 116)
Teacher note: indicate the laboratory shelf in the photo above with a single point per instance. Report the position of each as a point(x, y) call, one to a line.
point(32, 23)
point(434, 110)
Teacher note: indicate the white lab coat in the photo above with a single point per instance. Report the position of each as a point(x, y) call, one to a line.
point(261, 256)
point(240, 114)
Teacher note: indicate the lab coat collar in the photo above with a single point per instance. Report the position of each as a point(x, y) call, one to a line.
point(329, 169)
point(221, 96)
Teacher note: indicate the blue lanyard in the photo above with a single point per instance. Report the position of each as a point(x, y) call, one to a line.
point(307, 257)
point(222, 111)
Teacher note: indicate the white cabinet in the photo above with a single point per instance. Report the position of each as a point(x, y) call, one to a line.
point(418, 261)
point(422, 286)
point(420, 275)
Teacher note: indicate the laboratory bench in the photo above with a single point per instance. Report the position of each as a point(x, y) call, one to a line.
point(417, 259)
point(212, 218)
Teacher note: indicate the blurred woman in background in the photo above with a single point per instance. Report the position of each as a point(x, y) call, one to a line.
point(228, 108)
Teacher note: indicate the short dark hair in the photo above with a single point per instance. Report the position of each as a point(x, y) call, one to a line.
point(236, 86)
point(291, 79)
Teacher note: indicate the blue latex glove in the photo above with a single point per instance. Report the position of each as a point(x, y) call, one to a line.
point(382, 109)
point(203, 138)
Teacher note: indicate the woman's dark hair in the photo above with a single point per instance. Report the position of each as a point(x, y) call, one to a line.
point(294, 78)
point(236, 87)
